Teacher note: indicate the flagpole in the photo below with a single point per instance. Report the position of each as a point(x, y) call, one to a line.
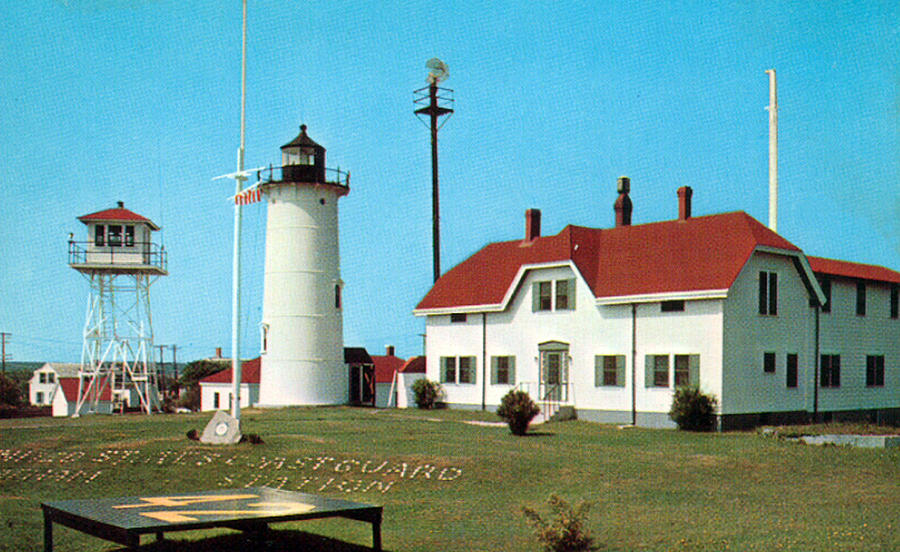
point(236, 265)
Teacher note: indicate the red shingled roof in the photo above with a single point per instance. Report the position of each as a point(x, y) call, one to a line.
point(119, 214)
point(415, 365)
point(385, 367)
point(249, 373)
point(699, 254)
point(847, 269)
point(69, 387)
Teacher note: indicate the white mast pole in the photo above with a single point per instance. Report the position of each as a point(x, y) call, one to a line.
point(773, 152)
point(236, 267)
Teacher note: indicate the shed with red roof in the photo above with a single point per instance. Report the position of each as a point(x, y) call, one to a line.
point(216, 390)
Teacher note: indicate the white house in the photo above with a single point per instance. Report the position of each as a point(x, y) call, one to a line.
point(65, 399)
point(607, 322)
point(45, 380)
point(216, 390)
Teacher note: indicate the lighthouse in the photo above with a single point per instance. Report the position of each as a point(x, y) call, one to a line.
point(302, 350)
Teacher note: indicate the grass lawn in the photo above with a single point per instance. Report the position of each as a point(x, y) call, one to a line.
point(450, 485)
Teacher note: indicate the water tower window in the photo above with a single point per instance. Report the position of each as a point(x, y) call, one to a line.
point(99, 234)
point(129, 236)
point(114, 235)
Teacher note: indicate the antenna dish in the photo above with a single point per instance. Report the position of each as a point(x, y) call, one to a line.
point(438, 71)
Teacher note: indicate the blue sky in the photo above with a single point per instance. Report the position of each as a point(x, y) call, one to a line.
point(136, 101)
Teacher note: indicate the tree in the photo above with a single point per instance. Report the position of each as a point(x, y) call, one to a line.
point(190, 381)
point(10, 393)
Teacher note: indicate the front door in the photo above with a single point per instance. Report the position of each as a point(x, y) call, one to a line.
point(554, 372)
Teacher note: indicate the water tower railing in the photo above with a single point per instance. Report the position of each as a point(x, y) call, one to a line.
point(136, 254)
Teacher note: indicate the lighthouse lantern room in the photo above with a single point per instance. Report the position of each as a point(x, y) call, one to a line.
point(120, 262)
point(302, 324)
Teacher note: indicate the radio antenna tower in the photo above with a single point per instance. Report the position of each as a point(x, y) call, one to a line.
point(436, 102)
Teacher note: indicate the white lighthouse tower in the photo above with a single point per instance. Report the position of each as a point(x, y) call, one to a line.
point(120, 261)
point(302, 321)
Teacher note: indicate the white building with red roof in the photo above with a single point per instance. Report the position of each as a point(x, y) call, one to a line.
point(65, 398)
point(216, 390)
point(387, 367)
point(606, 323)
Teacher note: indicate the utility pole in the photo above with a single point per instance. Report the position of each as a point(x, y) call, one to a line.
point(3, 358)
point(175, 364)
point(162, 368)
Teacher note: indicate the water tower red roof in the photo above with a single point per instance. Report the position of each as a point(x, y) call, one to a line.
point(117, 214)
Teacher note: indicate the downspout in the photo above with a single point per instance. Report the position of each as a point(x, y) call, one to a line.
point(483, 361)
point(634, 364)
point(816, 369)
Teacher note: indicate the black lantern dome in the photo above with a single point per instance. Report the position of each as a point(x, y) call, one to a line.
point(302, 159)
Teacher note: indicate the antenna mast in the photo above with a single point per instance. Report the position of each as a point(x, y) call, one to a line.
point(436, 108)
point(773, 152)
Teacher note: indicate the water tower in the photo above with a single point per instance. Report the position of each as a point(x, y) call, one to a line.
point(120, 261)
point(302, 323)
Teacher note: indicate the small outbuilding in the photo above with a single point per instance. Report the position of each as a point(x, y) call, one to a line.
point(216, 390)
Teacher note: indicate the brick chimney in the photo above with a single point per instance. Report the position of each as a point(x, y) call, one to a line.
point(218, 352)
point(622, 206)
point(389, 350)
point(684, 202)
point(532, 224)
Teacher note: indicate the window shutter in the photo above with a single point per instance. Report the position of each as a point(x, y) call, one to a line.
point(494, 362)
point(598, 371)
point(648, 371)
point(694, 370)
point(620, 371)
point(763, 293)
point(773, 293)
point(512, 370)
point(535, 296)
point(570, 289)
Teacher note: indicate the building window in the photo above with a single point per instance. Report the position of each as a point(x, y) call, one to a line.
point(687, 370)
point(768, 293)
point(875, 371)
point(503, 370)
point(99, 235)
point(129, 236)
point(39, 398)
point(895, 301)
point(337, 296)
point(656, 371)
point(42, 377)
point(831, 371)
point(769, 363)
point(467, 369)
point(672, 306)
point(860, 298)
point(51, 377)
point(465, 374)
point(448, 369)
point(609, 371)
point(791, 369)
point(263, 338)
point(114, 235)
point(216, 400)
point(553, 295)
point(543, 300)
point(458, 317)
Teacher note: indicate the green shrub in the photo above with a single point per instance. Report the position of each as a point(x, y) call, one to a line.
point(10, 393)
point(566, 531)
point(517, 410)
point(427, 393)
point(693, 410)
